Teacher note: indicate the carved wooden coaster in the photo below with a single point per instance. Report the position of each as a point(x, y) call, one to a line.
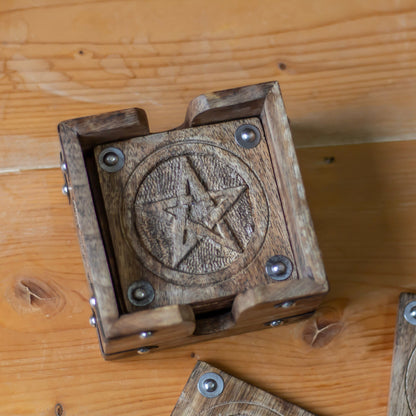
point(403, 376)
point(211, 392)
point(195, 233)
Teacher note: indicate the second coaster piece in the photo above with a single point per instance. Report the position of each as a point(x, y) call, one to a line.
point(211, 392)
point(403, 374)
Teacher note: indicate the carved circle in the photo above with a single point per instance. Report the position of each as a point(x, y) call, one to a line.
point(194, 213)
point(240, 408)
point(410, 383)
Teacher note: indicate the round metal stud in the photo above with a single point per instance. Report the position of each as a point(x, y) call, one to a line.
point(273, 324)
point(145, 334)
point(145, 350)
point(93, 302)
point(140, 293)
point(286, 304)
point(93, 321)
point(111, 159)
point(410, 313)
point(279, 267)
point(64, 167)
point(247, 136)
point(65, 190)
point(210, 385)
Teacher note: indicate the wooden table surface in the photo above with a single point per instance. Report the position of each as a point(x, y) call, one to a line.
point(347, 71)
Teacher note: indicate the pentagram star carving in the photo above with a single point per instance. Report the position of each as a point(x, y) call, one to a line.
point(197, 213)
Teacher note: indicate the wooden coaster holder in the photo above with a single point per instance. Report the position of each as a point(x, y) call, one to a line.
point(196, 233)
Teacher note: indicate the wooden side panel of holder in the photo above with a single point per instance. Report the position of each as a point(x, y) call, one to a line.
point(403, 375)
point(250, 310)
point(237, 398)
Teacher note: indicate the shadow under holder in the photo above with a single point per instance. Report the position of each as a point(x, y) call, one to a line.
point(195, 233)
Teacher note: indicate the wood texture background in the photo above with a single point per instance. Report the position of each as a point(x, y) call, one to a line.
point(347, 73)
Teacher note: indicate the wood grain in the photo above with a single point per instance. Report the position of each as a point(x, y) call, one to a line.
point(347, 74)
point(235, 397)
point(346, 69)
point(337, 363)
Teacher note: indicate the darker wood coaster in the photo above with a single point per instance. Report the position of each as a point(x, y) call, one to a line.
point(211, 392)
point(403, 375)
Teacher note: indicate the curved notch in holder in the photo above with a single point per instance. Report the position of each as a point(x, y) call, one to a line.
point(194, 217)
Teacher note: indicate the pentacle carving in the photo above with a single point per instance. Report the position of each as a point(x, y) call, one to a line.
point(192, 211)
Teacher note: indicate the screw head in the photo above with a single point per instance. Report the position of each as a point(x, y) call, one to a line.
point(111, 159)
point(65, 190)
point(63, 164)
point(93, 302)
point(145, 350)
point(247, 136)
point(273, 324)
point(410, 313)
point(287, 304)
point(140, 293)
point(145, 334)
point(93, 321)
point(279, 267)
point(210, 385)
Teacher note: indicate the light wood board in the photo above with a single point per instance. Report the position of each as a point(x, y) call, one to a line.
point(337, 363)
point(347, 74)
point(346, 68)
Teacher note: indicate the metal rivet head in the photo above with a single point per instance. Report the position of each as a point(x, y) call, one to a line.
point(279, 267)
point(210, 385)
point(247, 136)
point(276, 322)
point(410, 313)
point(145, 350)
point(111, 159)
point(140, 293)
point(93, 321)
point(63, 164)
point(93, 302)
point(145, 334)
point(286, 304)
point(65, 190)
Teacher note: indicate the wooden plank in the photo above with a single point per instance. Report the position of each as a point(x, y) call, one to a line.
point(228, 395)
point(346, 73)
point(337, 363)
point(403, 374)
